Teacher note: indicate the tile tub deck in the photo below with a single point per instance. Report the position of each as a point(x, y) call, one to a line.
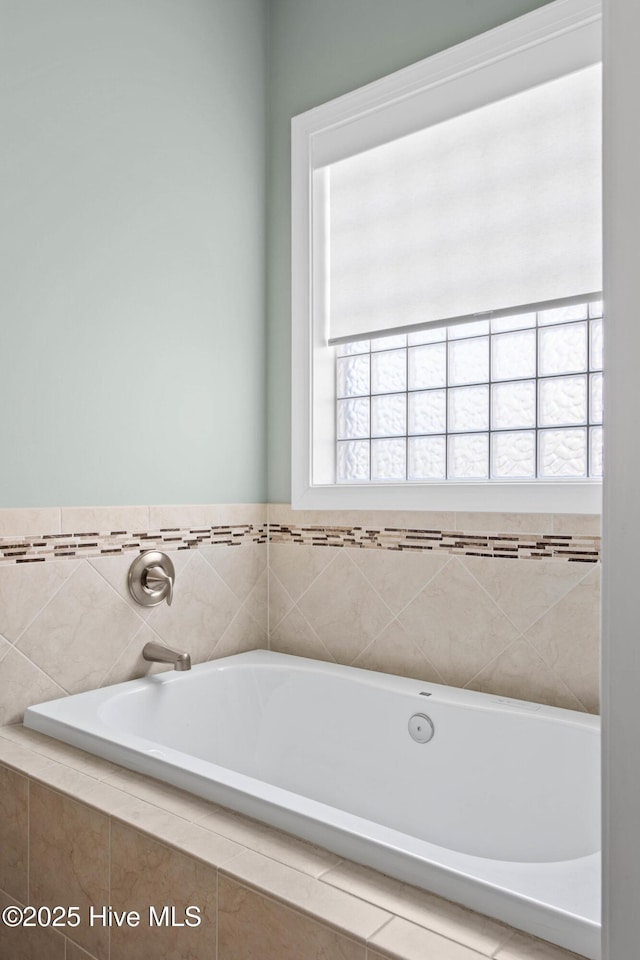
point(262, 892)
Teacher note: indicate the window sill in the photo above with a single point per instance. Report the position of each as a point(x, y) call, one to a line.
point(479, 497)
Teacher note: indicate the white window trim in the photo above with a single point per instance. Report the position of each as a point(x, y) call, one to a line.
point(327, 132)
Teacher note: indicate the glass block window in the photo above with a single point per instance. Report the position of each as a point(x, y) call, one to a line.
point(512, 398)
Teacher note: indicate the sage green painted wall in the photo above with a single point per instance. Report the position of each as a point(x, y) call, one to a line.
point(132, 231)
point(320, 49)
point(132, 251)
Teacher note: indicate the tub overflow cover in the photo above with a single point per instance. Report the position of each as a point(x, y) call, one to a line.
point(421, 728)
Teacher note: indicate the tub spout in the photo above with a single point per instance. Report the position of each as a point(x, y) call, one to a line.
point(157, 653)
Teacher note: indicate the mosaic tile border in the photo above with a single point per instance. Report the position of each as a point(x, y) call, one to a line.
point(514, 546)
point(53, 546)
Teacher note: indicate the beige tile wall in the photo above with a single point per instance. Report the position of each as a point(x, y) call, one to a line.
point(14, 812)
point(93, 834)
point(526, 628)
point(145, 872)
point(519, 628)
point(69, 625)
point(69, 860)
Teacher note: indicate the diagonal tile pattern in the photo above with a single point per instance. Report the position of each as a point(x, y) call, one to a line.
point(521, 673)
point(240, 567)
point(297, 565)
point(398, 576)
point(295, 636)
point(393, 651)
point(344, 609)
point(243, 633)
point(81, 632)
point(459, 627)
point(115, 571)
point(280, 602)
point(201, 611)
point(23, 683)
point(26, 589)
point(526, 628)
point(567, 638)
point(257, 603)
point(130, 665)
point(525, 591)
point(70, 625)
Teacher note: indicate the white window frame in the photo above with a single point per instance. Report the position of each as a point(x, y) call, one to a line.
point(458, 79)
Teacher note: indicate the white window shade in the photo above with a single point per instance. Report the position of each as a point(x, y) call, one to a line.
point(497, 208)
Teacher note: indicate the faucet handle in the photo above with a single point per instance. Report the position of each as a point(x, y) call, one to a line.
point(151, 578)
point(156, 578)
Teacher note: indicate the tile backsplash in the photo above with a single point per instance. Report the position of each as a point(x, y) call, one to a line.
point(68, 623)
point(503, 603)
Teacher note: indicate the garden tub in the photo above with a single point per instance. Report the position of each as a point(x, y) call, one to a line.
point(490, 802)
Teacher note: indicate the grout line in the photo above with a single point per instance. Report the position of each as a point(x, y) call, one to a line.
point(314, 634)
point(317, 576)
point(380, 928)
point(371, 643)
point(264, 575)
point(544, 612)
point(488, 664)
point(557, 676)
point(501, 946)
point(491, 599)
point(557, 602)
point(29, 840)
point(121, 655)
point(328, 870)
point(317, 636)
point(212, 655)
point(427, 659)
point(414, 643)
point(74, 563)
point(521, 634)
point(275, 577)
point(10, 896)
point(106, 673)
point(90, 560)
point(375, 590)
point(109, 872)
point(299, 909)
point(155, 632)
point(40, 670)
point(8, 647)
point(211, 564)
point(426, 583)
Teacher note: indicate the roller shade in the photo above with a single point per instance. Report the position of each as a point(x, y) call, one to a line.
point(497, 208)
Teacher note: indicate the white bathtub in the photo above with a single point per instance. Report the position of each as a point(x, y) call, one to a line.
point(498, 811)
